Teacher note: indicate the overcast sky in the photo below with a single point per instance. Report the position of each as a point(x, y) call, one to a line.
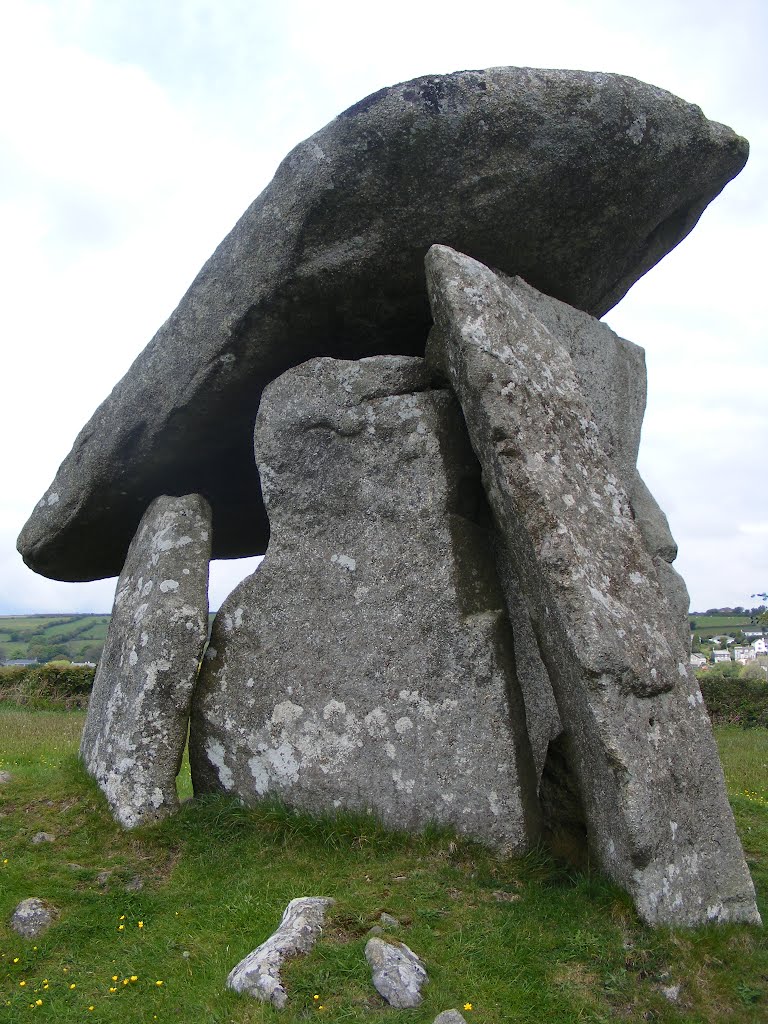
point(133, 133)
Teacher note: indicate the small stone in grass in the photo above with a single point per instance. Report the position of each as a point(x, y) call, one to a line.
point(5, 777)
point(671, 993)
point(136, 884)
point(397, 973)
point(449, 1017)
point(43, 837)
point(32, 917)
point(388, 921)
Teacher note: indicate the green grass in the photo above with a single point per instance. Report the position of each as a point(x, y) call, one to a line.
point(705, 622)
point(523, 940)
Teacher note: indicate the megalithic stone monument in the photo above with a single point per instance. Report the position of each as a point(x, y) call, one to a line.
point(643, 752)
point(467, 612)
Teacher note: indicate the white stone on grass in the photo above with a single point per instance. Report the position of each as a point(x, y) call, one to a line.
point(32, 917)
point(258, 974)
point(397, 973)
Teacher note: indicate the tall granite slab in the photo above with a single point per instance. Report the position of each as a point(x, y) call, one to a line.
point(138, 714)
point(579, 182)
point(640, 740)
point(611, 374)
point(367, 664)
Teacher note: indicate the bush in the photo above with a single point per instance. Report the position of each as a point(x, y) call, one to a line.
point(733, 698)
point(47, 686)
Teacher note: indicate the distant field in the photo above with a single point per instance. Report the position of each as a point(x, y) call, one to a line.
point(711, 625)
point(77, 637)
point(715, 621)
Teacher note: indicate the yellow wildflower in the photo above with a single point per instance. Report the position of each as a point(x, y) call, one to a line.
point(114, 977)
point(15, 959)
point(73, 985)
point(113, 990)
point(467, 1006)
point(38, 1002)
point(22, 984)
point(121, 927)
point(158, 983)
point(141, 924)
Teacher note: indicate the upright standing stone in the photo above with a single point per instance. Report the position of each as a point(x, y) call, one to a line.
point(642, 746)
point(367, 663)
point(138, 714)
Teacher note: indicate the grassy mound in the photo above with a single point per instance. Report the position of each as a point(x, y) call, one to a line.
point(182, 902)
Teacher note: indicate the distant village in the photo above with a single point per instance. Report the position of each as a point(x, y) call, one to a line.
point(736, 636)
point(728, 650)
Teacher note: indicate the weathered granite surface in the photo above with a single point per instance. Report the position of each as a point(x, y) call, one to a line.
point(611, 373)
point(578, 182)
point(138, 714)
point(398, 975)
point(258, 974)
point(640, 741)
point(33, 917)
point(367, 663)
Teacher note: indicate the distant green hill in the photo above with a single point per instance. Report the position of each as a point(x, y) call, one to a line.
point(81, 637)
point(707, 626)
point(44, 637)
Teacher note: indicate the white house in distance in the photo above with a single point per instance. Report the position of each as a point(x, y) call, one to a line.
point(744, 654)
point(697, 660)
point(760, 646)
point(721, 656)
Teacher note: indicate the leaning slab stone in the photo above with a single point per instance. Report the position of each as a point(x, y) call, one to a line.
point(258, 974)
point(367, 663)
point(397, 973)
point(138, 713)
point(611, 374)
point(654, 796)
point(33, 917)
point(577, 182)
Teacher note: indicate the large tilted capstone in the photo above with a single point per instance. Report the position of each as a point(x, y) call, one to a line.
point(367, 663)
point(578, 182)
point(138, 714)
point(641, 743)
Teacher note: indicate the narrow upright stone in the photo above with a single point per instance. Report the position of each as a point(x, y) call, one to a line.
point(138, 714)
point(653, 791)
point(367, 663)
